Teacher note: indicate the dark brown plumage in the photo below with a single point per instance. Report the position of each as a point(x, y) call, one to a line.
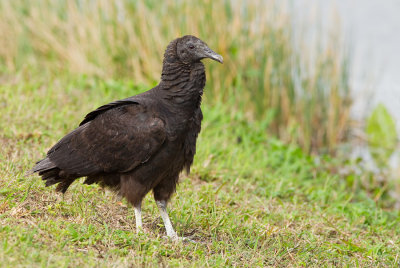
point(141, 143)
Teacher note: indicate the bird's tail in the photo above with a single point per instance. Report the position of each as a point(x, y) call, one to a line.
point(51, 174)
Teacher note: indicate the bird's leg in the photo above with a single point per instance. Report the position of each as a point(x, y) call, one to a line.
point(138, 217)
point(162, 206)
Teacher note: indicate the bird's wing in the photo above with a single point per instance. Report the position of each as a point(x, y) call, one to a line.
point(114, 138)
point(92, 115)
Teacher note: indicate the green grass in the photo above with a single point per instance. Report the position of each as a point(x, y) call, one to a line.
point(250, 199)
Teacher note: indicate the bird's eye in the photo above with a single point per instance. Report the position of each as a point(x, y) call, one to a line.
point(191, 46)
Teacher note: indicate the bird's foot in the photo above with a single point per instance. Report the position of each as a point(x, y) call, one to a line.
point(186, 239)
point(141, 231)
point(177, 238)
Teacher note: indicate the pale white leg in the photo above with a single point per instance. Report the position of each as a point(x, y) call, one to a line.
point(162, 206)
point(138, 218)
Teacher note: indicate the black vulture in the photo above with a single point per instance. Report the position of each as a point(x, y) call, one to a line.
point(140, 143)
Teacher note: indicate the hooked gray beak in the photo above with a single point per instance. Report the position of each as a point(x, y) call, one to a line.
point(209, 53)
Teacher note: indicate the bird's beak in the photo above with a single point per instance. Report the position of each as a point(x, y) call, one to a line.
point(209, 53)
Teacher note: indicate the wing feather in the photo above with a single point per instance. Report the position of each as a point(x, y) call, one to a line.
point(114, 138)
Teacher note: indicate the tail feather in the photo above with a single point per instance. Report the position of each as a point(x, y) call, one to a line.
point(47, 174)
point(42, 165)
point(51, 174)
point(63, 186)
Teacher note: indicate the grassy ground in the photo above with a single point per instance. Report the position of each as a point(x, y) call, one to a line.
point(249, 201)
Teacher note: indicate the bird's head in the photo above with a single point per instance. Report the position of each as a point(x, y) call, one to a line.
point(191, 49)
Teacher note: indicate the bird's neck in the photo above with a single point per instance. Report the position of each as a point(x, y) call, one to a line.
point(183, 84)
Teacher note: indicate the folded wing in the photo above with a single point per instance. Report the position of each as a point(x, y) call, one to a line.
point(116, 137)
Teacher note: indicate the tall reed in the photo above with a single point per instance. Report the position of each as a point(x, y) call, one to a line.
point(302, 88)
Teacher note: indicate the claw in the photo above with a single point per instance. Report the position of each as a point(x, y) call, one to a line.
point(178, 238)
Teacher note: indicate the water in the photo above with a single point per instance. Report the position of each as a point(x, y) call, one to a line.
point(372, 28)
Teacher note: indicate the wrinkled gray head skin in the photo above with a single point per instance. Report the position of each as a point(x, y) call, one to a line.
point(191, 49)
